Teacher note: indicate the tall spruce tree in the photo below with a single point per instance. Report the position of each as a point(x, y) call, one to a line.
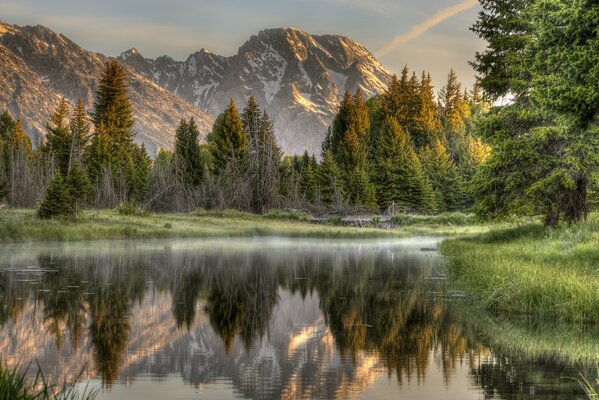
point(427, 127)
point(58, 137)
point(396, 171)
point(114, 111)
point(188, 160)
point(57, 201)
point(228, 140)
point(329, 181)
point(543, 54)
point(444, 177)
point(79, 129)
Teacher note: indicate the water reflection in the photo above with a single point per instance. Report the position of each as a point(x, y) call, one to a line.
point(271, 318)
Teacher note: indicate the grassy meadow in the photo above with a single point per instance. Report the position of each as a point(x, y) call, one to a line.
point(531, 270)
point(24, 226)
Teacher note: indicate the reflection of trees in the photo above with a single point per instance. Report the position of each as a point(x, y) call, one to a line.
point(242, 295)
point(372, 304)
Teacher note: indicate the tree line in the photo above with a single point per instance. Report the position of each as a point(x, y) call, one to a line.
point(401, 151)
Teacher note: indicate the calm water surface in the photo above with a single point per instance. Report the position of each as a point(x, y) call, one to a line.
point(272, 318)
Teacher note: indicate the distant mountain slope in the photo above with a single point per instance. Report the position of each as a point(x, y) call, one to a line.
point(297, 77)
point(38, 66)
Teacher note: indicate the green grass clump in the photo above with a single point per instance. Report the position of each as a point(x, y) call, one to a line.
point(15, 386)
point(448, 219)
point(531, 270)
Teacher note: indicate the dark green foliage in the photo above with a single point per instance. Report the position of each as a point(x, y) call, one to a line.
point(99, 154)
point(113, 109)
point(228, 140)
point(188, 161)
point(397, 172)
point(329, 181)
point(58, 137)
point(80, 137)
point(444, 176)
point(79, 186)
point(58, 200)
point(138, 173)
point(545, 54)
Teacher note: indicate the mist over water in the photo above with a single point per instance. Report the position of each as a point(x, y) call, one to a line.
point(267, 318)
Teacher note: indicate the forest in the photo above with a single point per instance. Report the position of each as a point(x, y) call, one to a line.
point(402, 151)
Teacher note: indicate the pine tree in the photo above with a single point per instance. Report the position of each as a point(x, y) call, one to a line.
point(189, 163)
point(228, 140)
point(307, 181)
point(427, 127)
point(58, 200)
point(263, 159)
point(58, 136)
point(329, 181)
point(397, 173)
point(451, 108)
point(21, 142)
point(114, 110)
point(444, 177)
point(99, 155)
point(80, 136)
point(138, 173)
point(79, 186)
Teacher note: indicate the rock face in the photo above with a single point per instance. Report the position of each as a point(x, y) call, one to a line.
point(296, 77)
point(39, 66)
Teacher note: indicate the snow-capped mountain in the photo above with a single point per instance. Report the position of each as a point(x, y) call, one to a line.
point(296, 77)
point(39, 66)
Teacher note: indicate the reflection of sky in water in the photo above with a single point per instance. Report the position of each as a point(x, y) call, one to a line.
point(259, 318)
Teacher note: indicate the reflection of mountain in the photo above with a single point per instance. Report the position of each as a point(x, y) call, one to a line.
point(296, 320)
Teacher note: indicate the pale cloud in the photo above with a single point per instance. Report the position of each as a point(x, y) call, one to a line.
point(421, 28)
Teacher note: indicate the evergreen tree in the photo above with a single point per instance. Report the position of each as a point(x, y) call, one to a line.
point(544, 54)
point(228, 140)
point(58, 200)
point(444, 177)
point(451, 105)
point(329, 180)
point(113, 109)
point(58, 137)
point(79, 186)
point(99, 155)
point(307, 183)
point(80, 136)
point(427, 127)
point(189, 163)
point(397, 173)
point(138, 173)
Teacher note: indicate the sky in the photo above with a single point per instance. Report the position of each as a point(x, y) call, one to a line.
point(431, 35)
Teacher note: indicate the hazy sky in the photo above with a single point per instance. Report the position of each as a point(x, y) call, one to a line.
point(424, 34)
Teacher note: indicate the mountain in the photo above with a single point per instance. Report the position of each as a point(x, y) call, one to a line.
point(39, 66)
point(298, 79)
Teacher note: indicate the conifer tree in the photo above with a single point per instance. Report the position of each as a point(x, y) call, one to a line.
point(444, 177)
point(451, 105)
point(427, 127)
point(79, 186)
point(99, 155)
point(114, 110)
point(397, 173)
point(58, 136)
point(307, 182)
point(138, 173)
point(80, 136)
point(329, 180)
point(58, 200)
point(228, 140)
point(189, 163)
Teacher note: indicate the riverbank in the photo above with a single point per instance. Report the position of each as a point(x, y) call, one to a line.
point(530, 270)
point(24, 226)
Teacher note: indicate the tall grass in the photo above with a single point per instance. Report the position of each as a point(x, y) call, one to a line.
point(531, 270)
point(14, 385)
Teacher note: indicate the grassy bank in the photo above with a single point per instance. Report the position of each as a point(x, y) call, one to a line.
point(24, 226)
point(531, 270)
